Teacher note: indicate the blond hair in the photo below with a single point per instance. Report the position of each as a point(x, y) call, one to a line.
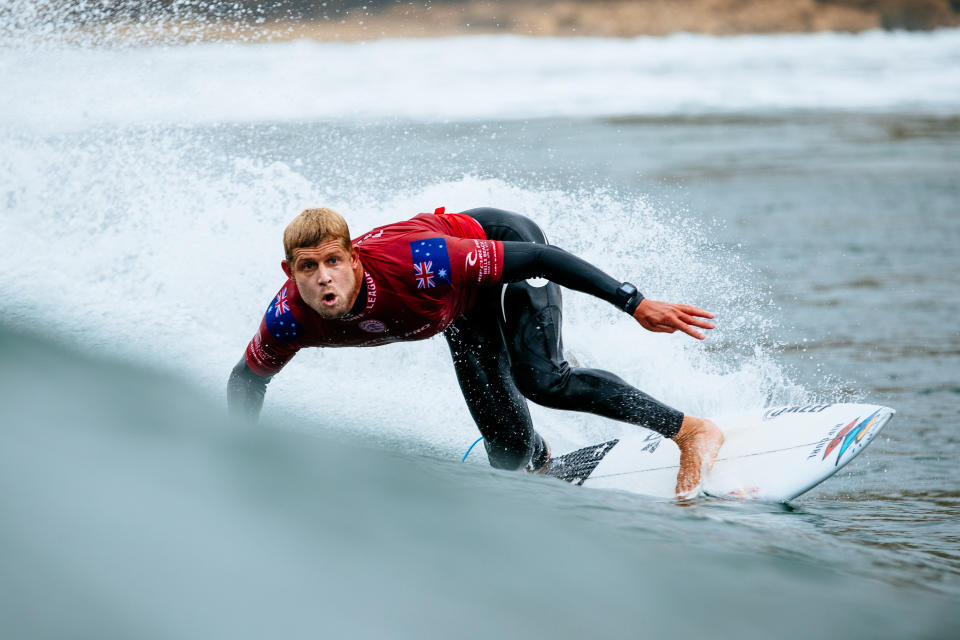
point(312, 227)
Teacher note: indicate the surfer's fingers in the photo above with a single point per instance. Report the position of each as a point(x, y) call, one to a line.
point(683, 322)
point(693, 333)
point(694, 311)
point(690, 331)
point(697, 322)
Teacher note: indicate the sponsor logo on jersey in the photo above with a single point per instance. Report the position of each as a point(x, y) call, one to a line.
point(431, 263)
point(480, 264)
point(373, 326)
point(371, 291)
point(416, 331)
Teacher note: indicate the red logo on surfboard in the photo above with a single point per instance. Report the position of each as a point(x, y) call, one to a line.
point(850, 434)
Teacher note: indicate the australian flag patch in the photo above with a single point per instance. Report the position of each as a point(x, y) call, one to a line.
point(431, 262)
point(279, 318)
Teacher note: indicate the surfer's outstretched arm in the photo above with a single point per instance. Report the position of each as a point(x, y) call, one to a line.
point(245, 391)
point(522, 260)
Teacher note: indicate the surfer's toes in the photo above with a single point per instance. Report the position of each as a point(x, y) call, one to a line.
point(690, 494)
point(688, 485)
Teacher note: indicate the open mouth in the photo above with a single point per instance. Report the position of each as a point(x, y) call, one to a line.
point(329, 298)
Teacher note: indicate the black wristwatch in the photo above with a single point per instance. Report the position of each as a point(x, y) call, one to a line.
point(628, 297)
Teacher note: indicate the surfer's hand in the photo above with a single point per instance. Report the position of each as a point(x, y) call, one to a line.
point(666, 317)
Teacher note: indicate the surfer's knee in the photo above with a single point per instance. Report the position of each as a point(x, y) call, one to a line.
point(546, 387)
point(512, 455)
point(506, 459)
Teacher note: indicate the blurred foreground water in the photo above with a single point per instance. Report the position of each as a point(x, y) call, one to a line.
point(132, 509)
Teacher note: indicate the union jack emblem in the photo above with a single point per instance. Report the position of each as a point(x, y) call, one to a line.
point(424, 275)
point(280, 305)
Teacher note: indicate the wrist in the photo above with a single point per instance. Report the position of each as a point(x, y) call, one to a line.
point(628, 298)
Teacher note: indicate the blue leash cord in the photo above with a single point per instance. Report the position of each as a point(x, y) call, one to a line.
point(471, 449)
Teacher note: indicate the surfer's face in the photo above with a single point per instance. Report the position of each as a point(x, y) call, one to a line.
point(328, 277)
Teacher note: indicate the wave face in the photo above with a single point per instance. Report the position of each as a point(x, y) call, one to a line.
point(478, 78)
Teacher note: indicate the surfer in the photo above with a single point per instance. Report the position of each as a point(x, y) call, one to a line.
point(487, 279)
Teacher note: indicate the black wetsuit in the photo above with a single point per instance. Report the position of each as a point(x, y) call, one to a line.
point(508, 348)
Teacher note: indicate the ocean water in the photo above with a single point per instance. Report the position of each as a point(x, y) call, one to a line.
point(804, 188)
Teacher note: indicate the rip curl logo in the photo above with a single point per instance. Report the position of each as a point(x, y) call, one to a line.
point(372, 326)
point(481, 262)
point(851, 434)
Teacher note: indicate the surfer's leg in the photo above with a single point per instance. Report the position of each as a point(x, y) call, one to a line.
point(532, 328)
point(532, 331)
point(531, 316)
point(482, 364)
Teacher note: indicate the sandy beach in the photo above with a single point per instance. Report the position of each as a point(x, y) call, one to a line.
point(352, 21)
point(629, 18)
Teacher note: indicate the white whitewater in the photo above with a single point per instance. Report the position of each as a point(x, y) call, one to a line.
point(478, 78)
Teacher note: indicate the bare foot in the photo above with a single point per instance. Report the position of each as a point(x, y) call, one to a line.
point(699, 440)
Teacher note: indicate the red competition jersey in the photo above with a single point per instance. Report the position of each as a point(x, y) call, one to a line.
point(421, 274)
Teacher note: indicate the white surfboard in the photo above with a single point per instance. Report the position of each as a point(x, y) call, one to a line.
point(772, 454)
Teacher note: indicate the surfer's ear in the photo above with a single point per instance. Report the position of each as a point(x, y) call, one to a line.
point(286, 268)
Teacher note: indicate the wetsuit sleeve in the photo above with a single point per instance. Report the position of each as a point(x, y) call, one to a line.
point(276, 341)
point(245, 391)
point(279, 336)
point(522, 260)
